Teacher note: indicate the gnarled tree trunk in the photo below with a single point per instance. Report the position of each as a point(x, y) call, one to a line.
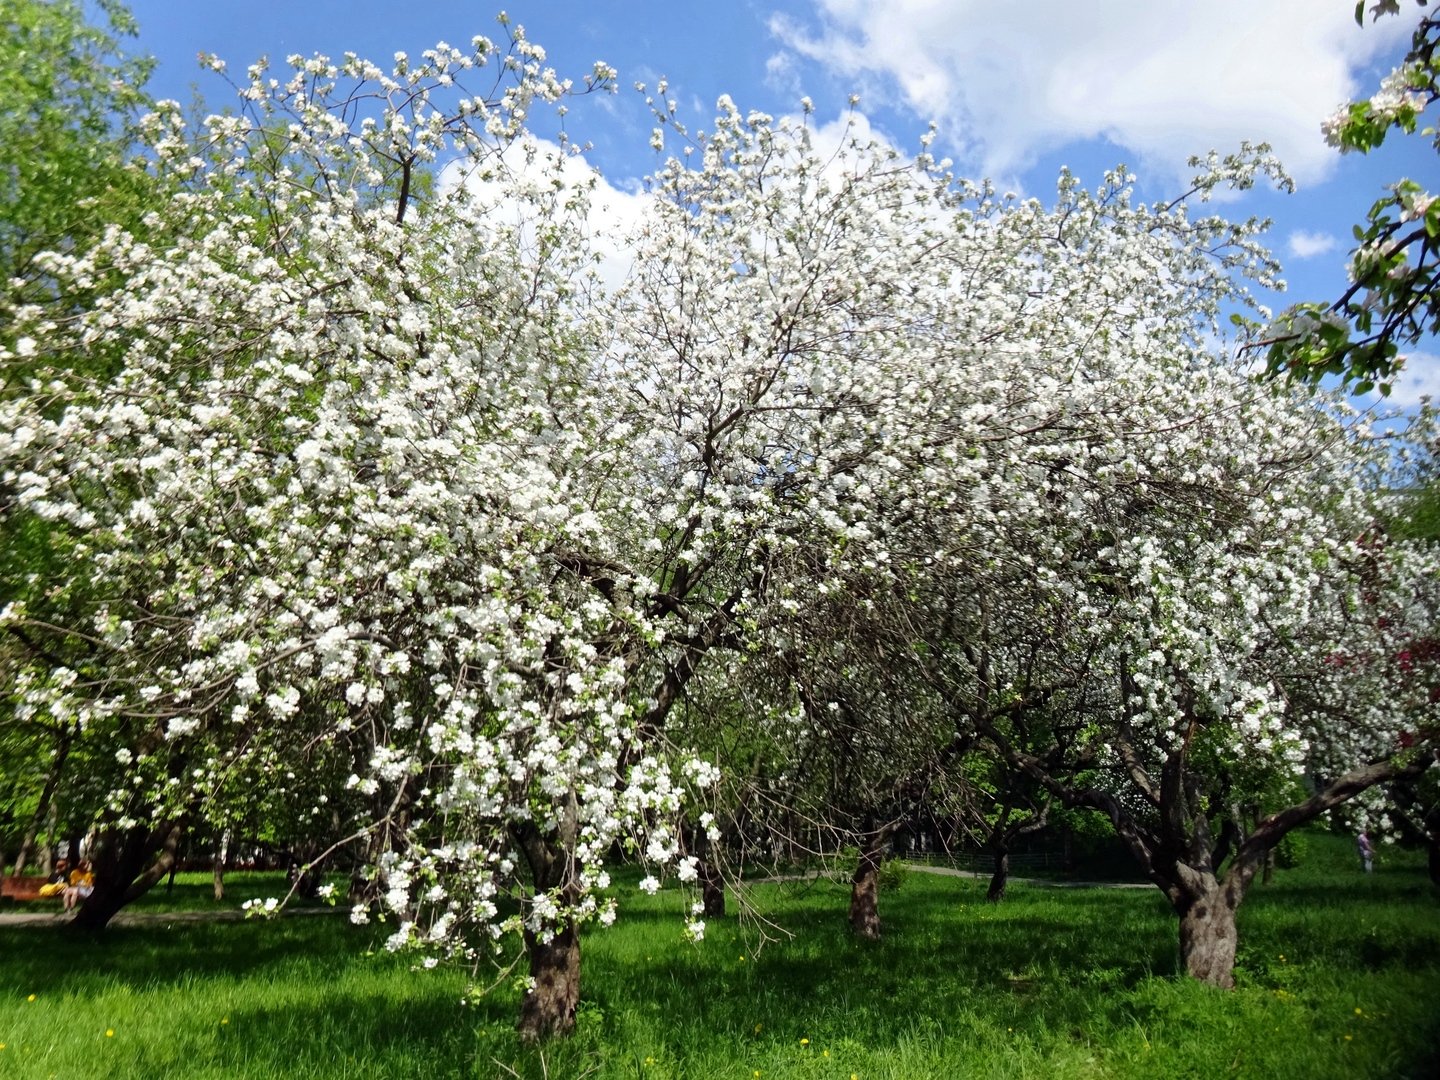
point(222, 853)
point(712, 890)
point(548, 1008)
point(712, 882)
point(126, 865)
point(1000, 878)
point(865, 888)
point(1208, 938)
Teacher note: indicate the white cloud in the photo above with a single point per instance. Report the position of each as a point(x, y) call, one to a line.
point(612, 213)
point(1304, 244)
point(782, 76)
point(1419, 378)
point(1163, 78)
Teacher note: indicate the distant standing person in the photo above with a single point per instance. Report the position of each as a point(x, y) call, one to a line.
point(1367, 853)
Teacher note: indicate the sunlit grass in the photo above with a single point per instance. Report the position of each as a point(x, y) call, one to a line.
point(1052, 983)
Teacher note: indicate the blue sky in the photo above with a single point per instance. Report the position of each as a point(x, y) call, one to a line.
point(1018, 89)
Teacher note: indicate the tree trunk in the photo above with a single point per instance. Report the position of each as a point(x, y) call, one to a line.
point(121, 873)
point(1208, 938)
point(52, 827)
point(1000, 878)
point(712, 883)
point(46, 804)
point(712, 890)
point(548, 1008)
point(218, 877)
point(864, 893)
point(27, 847)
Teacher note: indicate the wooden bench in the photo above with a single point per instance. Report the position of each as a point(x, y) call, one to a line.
point(23, 888)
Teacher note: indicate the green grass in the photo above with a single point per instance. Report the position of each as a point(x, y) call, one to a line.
point(1052, 983)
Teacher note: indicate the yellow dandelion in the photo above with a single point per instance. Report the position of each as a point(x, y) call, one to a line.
point(825, 1053)
point(758, 1027)
point(109, 1033)
point(1349, 1037)
point(649, 1061)
point(804, 1042)
point(1359, 1013)
point(226, 1020)
point(30, 998)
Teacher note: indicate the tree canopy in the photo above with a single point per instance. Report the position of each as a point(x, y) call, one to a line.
point(384, 498)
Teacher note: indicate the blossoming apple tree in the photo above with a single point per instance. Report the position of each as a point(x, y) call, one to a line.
point(382, 483)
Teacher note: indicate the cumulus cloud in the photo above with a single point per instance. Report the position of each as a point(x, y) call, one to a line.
point(1419, 378)
point(612, 213)
point(1304, 244)
point(1163, 78)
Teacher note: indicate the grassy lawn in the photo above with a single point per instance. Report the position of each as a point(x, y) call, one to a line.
point(1339, 977)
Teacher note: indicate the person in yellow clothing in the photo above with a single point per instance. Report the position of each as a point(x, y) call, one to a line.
point(58, 881)
point(82, 884)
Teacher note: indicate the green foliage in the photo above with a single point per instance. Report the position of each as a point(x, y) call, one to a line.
point(72, 98)
point(1291, 850)
point(893, 874)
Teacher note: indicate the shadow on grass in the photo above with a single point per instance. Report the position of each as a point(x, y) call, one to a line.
point(941, 956)
point(1091, 971)
point(163, 954)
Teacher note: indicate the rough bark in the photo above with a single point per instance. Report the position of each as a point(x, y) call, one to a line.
point(1208, 939)
point(864, 893)
point(45, 805)
point(712, 890)
point(1000, 878)
point(548, 1008)
point(52, 829)
point(712, 882)
point(221, 853)
point(126, 867)
point(27, 848)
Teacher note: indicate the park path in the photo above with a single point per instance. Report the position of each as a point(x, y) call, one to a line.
point(974, 875)
point(154, 918)
point(1044, 883)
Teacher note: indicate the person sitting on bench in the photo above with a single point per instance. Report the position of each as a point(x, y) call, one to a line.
point(58, 881)
point(82, 884)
